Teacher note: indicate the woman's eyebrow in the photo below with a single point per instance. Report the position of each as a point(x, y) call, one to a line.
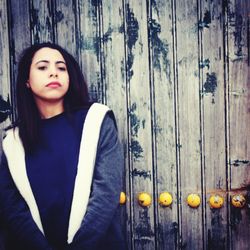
point(46, 61)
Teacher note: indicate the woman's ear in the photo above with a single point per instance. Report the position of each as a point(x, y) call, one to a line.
point(27, 84)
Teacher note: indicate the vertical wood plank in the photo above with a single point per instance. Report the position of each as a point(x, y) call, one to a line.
point(90, 45)
point(42, 25)
point(163, 97)
point(189, 139)
point(211, 27)
point(20, 38)
point(114, 77)
point(66, 29)
point(4, 66)
point(239, 116)
point(140, 141)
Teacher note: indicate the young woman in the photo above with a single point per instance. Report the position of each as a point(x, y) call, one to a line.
point(61, 169)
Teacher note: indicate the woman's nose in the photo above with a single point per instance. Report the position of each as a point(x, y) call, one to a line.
point(53, 72)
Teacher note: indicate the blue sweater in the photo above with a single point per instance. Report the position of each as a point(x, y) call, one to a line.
point(51, 170)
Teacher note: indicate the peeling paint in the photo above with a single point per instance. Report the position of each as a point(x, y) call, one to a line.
point(155, 7)
point(216, 237)
point(132, 37)
point(236, 22)
point(48, 24)
point(236, 216)
point(238, 163)
point(59, 16)
point(90, 43)
point(143, 231)
point(34, 18)
point(141, 173)
point(107, 35)
point(211, 83)
point(160, 48)
point(121, 29)
point(205, 63)
point(95, 3)
point(136, 149)
point(206, 20)
point(5, 109)
point(134, 120)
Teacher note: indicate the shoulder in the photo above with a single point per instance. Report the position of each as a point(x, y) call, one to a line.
point(106, 113)
point(10, 132)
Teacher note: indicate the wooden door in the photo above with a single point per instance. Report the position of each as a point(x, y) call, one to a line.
point(176, 74)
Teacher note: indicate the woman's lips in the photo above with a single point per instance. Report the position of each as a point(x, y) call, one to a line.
point(54, 85)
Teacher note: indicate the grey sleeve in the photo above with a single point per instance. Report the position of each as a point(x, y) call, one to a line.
point(106, 188)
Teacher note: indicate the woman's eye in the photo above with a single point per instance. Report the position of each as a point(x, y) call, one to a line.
point(62, 68)
point(42, 67)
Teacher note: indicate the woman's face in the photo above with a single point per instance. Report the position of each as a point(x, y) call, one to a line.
point(48, 76)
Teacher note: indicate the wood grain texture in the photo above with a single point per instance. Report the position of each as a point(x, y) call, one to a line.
point(176, 74)
point(20, 38)
point(42, 23)
point(140, 138)
point(163, 127)
point(115, 85)
point(4, 65)
point(90, 46)
point(211, 29)
point(239, 116)
point(66, 25)
point(189, 135)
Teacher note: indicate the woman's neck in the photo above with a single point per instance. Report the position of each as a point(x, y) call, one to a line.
point(48, 110)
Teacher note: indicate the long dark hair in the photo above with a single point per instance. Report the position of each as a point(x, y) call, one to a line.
point(28, 115)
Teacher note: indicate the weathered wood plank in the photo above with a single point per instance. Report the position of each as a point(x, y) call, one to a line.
point(4, 67)
point(42, 25)
point(20, 38)
point(188, 117)
point(163, 97)
point(140, 141)
point(239, 116)
point(66, 26)
point(114, 77)
point(211, 27)
point(90, 45)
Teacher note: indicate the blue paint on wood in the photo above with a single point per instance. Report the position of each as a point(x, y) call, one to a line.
point(59, 16)
point(136, 149)
point(34, 18)
point(216, 235)
point(205, 63)
point(134, 120)
point(95, 3)
point(132, 37)
point(160, 48)
point(210, 84)
point(236, 216)
point(121, 29)
point(206, 20)
point(238, 163)
point(141, 173)
point(107, 35)
point(236, 21)
point(143, 231)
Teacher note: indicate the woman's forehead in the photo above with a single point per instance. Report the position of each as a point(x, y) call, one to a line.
point(47, 54)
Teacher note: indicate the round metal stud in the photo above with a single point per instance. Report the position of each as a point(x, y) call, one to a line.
point(216, 201)
point(165, 199)
point(193, 200)
point(144, 199)
point(122, 198)
point(238, 200)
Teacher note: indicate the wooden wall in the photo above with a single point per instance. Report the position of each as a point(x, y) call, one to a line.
point(176, 74)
